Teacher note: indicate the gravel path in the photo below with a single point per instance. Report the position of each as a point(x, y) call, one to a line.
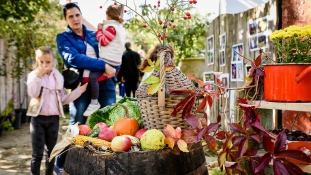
point(15, 151)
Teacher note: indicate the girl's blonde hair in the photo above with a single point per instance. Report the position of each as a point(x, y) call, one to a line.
point(45, 50)
point(115, 12)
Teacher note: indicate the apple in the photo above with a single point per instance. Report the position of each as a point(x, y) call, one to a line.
point(140, 132)
point(107, 134)
point(121, 144)
point(101, 125)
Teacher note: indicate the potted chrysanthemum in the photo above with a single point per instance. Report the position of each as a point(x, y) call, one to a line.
point(286, 81)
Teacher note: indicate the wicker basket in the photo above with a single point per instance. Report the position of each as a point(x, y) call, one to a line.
point(155, 117)
point(156, 111)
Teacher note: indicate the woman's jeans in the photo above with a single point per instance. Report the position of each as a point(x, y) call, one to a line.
point(107, 96)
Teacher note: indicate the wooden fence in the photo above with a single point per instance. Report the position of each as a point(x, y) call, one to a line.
point(11, 87)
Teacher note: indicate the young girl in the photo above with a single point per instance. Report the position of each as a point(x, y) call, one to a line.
point(111, 38)
point(45, 87)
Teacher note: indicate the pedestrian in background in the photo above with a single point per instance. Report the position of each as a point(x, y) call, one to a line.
point(129, 72)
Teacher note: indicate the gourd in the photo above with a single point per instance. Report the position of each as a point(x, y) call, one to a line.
point(125, 125)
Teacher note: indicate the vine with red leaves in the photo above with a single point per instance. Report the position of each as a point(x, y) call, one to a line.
point(236, 149)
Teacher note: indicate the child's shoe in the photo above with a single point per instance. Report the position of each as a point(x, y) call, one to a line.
point(90, 109)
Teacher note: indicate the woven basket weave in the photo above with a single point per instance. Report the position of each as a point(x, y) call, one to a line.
point(156, 111)
point(155, 117)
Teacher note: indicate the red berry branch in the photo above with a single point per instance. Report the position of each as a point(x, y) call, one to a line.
point(161, 19)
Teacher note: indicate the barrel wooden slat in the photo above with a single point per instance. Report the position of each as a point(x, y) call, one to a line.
point(81, 161)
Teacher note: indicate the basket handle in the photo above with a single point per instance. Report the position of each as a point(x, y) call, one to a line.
point(161, 92)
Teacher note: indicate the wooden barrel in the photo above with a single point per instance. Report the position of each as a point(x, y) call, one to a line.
point(81, 161)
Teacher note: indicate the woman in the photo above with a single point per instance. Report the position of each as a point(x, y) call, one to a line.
point(78, 47)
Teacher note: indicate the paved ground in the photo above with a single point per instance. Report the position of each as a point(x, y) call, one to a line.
point(15, 151)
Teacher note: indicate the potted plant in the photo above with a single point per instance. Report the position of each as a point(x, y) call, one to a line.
point(7, 116)
point(292, 46)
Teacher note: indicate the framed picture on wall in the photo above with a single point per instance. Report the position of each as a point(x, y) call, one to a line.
point(210, 50)
point(258, 34)
point(222, 41)
point(224, 78)
point(209, 80)
point(237, 71)
point(237, 53)
point(222, 58)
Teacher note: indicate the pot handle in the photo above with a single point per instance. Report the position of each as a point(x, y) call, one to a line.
point(300, 76)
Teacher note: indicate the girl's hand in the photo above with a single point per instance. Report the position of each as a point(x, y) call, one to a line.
point(42, 71)
point(99, 26)
point(83, 87)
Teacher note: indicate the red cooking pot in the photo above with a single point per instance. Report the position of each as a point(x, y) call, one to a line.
point(290, 82)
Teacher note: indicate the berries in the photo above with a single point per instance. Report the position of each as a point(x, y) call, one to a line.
point(172, 9)
point(187, 13)
point(115, 3)
point(174, 26)
point(125, 11)
point(160, 22)
point(100, 7)
point(145, 25)
point(159, 35)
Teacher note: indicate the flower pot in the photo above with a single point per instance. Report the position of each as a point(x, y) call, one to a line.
point(287, 82)
point(24, 116)
point(18, 118)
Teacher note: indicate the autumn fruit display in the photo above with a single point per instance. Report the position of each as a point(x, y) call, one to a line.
point(140, 132)
point(84, 130)
point(121, 144)
point(126, 125)
point(152, 139)
point(101, 125)
point(107, 134)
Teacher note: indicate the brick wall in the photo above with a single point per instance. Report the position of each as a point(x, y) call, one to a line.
point(296, 12)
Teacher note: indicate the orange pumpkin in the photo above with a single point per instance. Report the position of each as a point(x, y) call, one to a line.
point(126, 125)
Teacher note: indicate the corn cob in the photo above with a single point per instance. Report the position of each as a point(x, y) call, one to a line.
point(80, 140)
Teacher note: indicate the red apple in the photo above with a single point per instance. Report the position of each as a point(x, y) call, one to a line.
point(101, 125)
point(121, 144)
point(107, 134)
point(140, 132)
point(84, 130)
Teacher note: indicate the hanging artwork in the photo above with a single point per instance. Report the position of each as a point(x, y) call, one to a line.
point(210, 50)
point(224, 78)
point(257, 31)
point(237, 68)
point(222, 47)
point(209, 80)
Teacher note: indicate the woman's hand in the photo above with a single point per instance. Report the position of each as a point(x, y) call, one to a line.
point(109, 71)
point(83, 87)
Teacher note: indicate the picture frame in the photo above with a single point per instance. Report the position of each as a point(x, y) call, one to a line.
point(210, 50)
point(237, 48)
point(209, 80)
point(222, 41)
point(222, 58)
point(258, 34)
point(224, 78)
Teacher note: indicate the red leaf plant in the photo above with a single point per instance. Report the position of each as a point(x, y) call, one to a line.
point(236, 149)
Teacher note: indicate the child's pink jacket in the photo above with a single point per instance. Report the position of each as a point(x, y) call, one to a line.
point(53, 93)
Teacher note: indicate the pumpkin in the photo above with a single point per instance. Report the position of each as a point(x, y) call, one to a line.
point(84, 130)
point(126, 125)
